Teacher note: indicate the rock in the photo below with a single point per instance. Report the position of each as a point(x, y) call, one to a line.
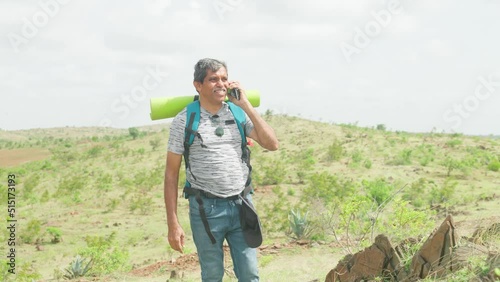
point(435, 255)
point(439, 255)
point(377, 260)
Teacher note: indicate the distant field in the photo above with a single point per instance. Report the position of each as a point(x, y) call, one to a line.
point(10, 158)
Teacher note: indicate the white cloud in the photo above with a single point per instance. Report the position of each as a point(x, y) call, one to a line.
point(440, 48)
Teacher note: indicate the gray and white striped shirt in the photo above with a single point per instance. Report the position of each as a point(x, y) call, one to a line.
point(218, 168)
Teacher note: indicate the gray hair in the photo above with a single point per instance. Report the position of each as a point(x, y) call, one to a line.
point(200, 69)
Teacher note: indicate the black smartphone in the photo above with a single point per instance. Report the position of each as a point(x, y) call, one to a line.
point(235, 92)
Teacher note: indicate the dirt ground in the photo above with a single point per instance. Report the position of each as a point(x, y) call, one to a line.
point(10, 158)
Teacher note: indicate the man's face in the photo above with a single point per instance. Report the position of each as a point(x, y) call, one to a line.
point(214, 86)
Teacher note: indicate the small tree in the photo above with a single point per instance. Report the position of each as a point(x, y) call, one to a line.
point(381, 127)
point(134, 132)
point(155, 143)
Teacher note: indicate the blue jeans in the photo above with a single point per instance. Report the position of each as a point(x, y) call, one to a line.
point(224, 221)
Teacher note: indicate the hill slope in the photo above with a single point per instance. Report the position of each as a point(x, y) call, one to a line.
point(98, 192)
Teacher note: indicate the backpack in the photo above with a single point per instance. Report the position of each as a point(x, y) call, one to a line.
point(191, 131)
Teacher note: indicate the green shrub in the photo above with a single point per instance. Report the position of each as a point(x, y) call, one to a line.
point(107, 257)
point(403, 158)
point(444, 193)
point(31, 233)
point(453, 143)
point(275, 215)
point(71, 184)
point(379, 190)
point(406, 222)
point(134, 132)
point(334, 151)
point(419, 194)
point(357, 156)
point(104, 181)
point(55, 234)
point(451, 164)
point(142, 203)
point(155, 143)
point(271, 174)
point(353, 219)
point(45, 196)
point(23, 272)
point(367, 164)
point(425, 154)
point(494, 165)
point(305, 159)
point(95, 151)
point(327, 187)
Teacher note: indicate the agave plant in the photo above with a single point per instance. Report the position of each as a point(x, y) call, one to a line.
point(77, 269)
point(299, 224)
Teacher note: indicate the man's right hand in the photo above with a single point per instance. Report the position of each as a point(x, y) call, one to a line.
point(176, 238)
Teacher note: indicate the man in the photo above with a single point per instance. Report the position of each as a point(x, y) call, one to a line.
point(216, 172)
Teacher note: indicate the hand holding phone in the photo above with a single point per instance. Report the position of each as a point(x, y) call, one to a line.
point(235, 92)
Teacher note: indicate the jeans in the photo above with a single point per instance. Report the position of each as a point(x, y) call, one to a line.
point(224, 221)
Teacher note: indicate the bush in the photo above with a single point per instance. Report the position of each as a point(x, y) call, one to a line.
point(55, 234)
point(142, 203)
point(403, 158)
point(155, 143)
point(334, 151)
point(381, 127)
point(272, 174)
point(379, 190)
point(134, 132)
point(357, 156)
point(24, 271)
point(70, 185)
point(444, 193)
point(494, 165)
point(31, 233)
point(106, 255)
point(451, 164)
point(275, 215)
point(305, 159)
point(453, 143)
point(406, 222)
point(327, 187)
point(419, 194)
point(94, 151)
point(425, 154)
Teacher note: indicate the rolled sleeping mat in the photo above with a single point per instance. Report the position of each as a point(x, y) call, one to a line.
point(167, 107)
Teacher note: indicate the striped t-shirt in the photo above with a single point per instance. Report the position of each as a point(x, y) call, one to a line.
point(218, 168)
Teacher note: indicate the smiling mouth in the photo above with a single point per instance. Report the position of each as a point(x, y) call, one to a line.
point(220, 90)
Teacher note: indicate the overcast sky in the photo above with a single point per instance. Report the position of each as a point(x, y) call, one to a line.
point(411, 65)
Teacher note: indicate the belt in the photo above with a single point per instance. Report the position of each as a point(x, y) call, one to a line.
point(192, 192)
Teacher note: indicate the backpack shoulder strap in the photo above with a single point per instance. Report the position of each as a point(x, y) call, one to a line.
point(190, 131)
point(240, 117)
point(192, 122)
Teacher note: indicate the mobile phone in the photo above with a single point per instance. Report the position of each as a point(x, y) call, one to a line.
point(235, 92)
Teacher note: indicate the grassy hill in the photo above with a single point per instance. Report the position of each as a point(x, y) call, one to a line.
point(98, 193)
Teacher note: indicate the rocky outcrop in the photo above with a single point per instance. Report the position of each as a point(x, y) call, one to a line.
point(380, 259)
point(436, 257)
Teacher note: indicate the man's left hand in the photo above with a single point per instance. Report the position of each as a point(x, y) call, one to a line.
point(243, 101)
